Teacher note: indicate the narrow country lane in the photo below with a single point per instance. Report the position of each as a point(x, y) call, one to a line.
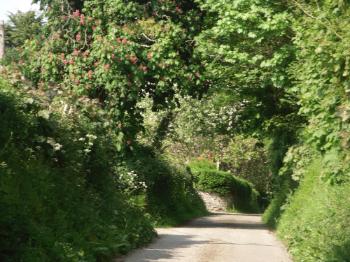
point(217, 238)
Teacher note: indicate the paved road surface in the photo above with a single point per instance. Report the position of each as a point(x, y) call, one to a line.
point(216, 238)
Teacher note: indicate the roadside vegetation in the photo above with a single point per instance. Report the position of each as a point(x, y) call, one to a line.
point(208, 179)
point(113, 113)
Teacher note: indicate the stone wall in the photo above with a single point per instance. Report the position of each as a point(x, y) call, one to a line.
point(215, 203)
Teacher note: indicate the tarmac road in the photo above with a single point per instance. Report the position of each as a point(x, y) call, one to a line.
point(220, 237)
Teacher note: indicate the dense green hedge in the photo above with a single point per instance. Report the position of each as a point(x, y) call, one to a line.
point(315, 222)
point(62, 196)
point(310, 209)
point(215, 181)
point(208, 179)
point(170, 197)
point(59, 201)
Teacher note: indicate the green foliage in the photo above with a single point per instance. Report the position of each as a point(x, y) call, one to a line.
point(202, 126)
point(59, 196)
point(322, 74)
point(195, 128)
point(276, 70)
point(247, 158)
point(215, 181)
point(246, 48)
point(20, 28)
point(275, 209)
point(208, 179)
point(118, 53)
point(290, 171)
point(312, 217)
point(295, 161)
point(315, 224)
point(170, 198)
point(94, 182)
point(67, 194)
point(197, 165)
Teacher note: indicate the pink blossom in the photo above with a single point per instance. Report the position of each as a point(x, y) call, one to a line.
point(133, 59)
point(78, 37)
point(76, 52)
point(178, 10)
point(143, 68)
point(82, 19)
point(90, 73)
point(76, 13)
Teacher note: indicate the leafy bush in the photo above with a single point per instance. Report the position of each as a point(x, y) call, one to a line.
point(215, 181)
point(247, 158)
point(59, 196)
point(208, 179)
point(170, 197)
point(322, 81)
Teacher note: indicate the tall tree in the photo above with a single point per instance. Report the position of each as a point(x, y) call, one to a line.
point(247, 47)
point(21, 27)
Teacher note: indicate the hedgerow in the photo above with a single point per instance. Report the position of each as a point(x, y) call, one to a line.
point(315, 223)
point(208, 179)
point(170, 198)
point(310, 209)
point(59, 196)
point(274, 71)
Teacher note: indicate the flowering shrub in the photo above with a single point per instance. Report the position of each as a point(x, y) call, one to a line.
point(117, 53)
point(130, 182)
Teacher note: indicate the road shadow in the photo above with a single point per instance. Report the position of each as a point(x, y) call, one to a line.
point(229, 221)
point(234, 214)
point(228, 225)
point(156, 251)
